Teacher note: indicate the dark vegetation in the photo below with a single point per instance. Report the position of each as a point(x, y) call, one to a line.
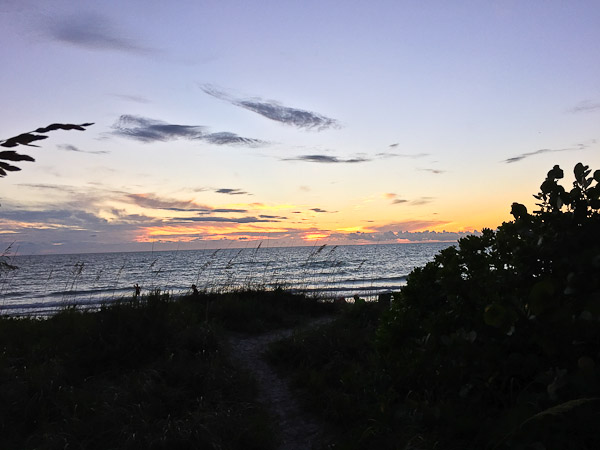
point(150, 373)
point(27, 139)
point(494, 344)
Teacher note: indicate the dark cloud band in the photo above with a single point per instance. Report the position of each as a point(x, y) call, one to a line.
point(327, 159)
point(272, 110)
point(541, 151)
point(149, 130)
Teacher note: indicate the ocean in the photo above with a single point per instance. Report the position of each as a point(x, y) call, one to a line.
point(45, 283)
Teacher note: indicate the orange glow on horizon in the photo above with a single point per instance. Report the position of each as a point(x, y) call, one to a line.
point(315, 236)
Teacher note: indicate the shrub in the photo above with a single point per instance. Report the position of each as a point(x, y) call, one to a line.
point(497, 334)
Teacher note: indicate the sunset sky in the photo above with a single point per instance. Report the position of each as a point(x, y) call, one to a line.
point(231, 123)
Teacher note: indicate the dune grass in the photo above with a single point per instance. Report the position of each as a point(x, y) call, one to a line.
point(151, 372)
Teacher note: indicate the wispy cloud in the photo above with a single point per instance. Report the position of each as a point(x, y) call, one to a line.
point(228, 219)
point(435, 171)
point(228, 210)
point(327, 159)
point(266, 216)
point(149, 130)
point(384, 155)
point(396, 200)
point(152, 201)
point(131, 98)
point(231, 191)
point(273, 110)
point(318, 210)
point(72, 148)
point(95, 32)
point(422, 201)
point(581, 146)
point(411, 236)
point(585, 107)
point(228, 138)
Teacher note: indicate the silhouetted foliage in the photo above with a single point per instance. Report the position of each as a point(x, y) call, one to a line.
point(493, 345)
point(496, 342)
point(27, 139)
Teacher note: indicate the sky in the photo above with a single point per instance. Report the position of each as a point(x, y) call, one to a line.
point(222, 124)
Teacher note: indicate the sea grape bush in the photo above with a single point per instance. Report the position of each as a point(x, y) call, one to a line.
point(496, 343)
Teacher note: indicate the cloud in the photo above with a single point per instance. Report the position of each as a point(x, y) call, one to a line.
point(411, 236)
point(227, 138)
point(95, 32)
point(132, 98)
point(231, 191)
point(394, 145)
point(581, 146)
point(435, 171)
point(585, 107)
point(225, 210)
point(72, 148)
point(398, 201)
point(227, 219)
point(327, 159)
point(295, 117)
point(152, 201)
point(265, 216)
point(422, 201)
point(318, 210)
point(61, 188)
point(72, 218)
point(385, 155)
point(149, 130)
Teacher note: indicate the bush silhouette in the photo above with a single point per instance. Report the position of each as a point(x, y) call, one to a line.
point(496, 342)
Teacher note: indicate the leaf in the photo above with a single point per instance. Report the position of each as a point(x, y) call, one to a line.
point(494, 315)
point(23, 139)
point(541, 296)
point(63, 126)
point(518, 210)
point(8, 167)
point(563, 408)
point(556, 410)
point(579, 171)
point(11, 155)
point(556, 173)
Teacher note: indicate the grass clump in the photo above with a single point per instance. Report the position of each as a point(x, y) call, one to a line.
point(150, 372)
point(257, 311)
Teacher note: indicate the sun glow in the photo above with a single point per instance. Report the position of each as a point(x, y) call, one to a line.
point(315, 236)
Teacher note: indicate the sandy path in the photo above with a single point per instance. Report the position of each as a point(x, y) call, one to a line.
point(298, 431)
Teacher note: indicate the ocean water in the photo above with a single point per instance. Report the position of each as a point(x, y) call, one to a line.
point(45, 283)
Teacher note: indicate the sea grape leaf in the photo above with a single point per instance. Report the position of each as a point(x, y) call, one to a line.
point(28, 139)
point(541, 297)
point(11, 155)
point(8, 167)
point(23, 139)
point(62, 126)
point(518, 210)
point(556, 173)
point(494, 315)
